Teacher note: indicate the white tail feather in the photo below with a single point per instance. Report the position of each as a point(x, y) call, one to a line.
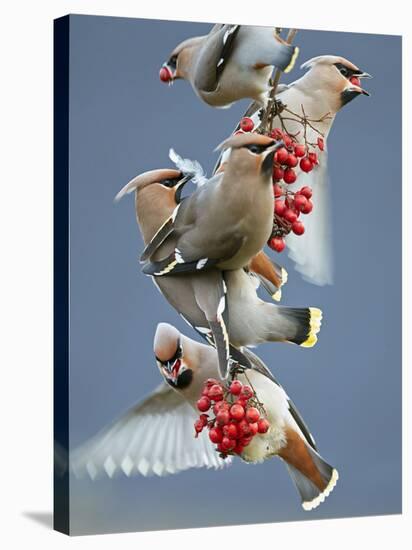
point(188, 166)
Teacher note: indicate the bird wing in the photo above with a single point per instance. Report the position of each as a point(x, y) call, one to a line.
point(164, 231)
point(154, 437)
point(312, 251)
point(214, 56)
point(187, 256)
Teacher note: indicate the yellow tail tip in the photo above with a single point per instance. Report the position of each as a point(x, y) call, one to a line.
point(315, 324)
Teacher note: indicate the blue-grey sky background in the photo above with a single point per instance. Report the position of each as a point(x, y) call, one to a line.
point(122, 122)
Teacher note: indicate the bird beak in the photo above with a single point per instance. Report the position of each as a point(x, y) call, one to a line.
point(171, 370)
point(173, 367)
point(267, 164)
point(180, 184)
point(358, 90)
point(356, 83)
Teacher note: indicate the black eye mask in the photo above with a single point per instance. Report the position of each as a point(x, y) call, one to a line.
point(171, 182)
point(346, 71)
point(172, 63)
point(258, 149)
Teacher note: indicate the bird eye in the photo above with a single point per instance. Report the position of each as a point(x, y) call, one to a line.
point(344, 71)
point(170, 182)
point(256, 149)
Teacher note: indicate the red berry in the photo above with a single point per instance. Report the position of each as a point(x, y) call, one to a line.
point(313, 157)
point(252, 414)
point(290, 215)
point(222, 417)
point(277, 190)
point(289, 175)
point(277, 244)
point(246, 392)
point(300, 202)
point(253, 428)
point(292, 160)
point(230, 430)
point(243, 428)
point(298, 228)
point(216, 392)
point(165, 74)
point(238, 132)
point(280, 207)
point(277, 173)
point(211, 382)
point(235, 387)
point(238, 449)
point(321, 144)
point(215, 435)
point(308, 207)
point(228, 444)
point(306, 164)
point(245, 441)
point(242, 402)
point(220, 406)
point(199, 426)
point(204, 419)
point(300, 150)
point(237, 411)
point(281, 155)
point(287, 140)
point(246, 124)
point(203, 404)
point(263, 426)
point(355, 81)
point(276, 133)
point(306, 191)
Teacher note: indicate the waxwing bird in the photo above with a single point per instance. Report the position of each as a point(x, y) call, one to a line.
point(162, 195)
point(157, 435)
point(226, 222)
point(232, 62)
point(201, 297)
point(270, 275)
point(329, 83)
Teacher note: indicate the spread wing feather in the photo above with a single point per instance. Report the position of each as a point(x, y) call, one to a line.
point(156, 437)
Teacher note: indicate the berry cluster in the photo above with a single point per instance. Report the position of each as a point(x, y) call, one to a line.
point(289, 204)
point(238, 416)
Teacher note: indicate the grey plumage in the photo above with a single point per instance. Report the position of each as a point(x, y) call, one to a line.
point(231, 62)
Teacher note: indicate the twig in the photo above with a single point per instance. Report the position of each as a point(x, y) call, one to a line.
point(268, 115)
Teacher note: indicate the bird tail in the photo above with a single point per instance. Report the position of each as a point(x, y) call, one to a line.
point(303, 325)
point(310, 493)
point(285, 56)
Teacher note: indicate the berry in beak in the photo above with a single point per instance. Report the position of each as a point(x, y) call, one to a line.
point(165, 74)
